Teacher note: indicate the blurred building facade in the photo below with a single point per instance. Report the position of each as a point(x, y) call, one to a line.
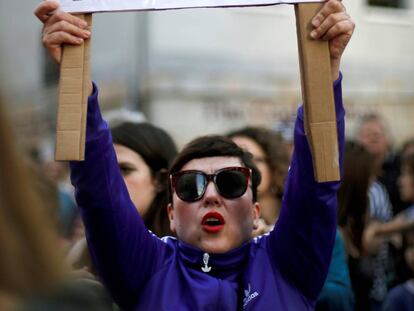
point(204, 71)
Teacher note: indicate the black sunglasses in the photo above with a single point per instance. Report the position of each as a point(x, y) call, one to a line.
point(230, 182)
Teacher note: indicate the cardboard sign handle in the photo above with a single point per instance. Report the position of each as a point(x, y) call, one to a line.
point(317, 95)
point(74, 88)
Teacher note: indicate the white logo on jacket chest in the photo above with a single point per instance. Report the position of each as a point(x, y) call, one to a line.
point(206, 268)
point(248, 296)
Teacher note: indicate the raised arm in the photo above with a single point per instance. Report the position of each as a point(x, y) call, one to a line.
point(302, 240)
point(124, 252)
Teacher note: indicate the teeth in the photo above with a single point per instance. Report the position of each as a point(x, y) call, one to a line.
point(212, 221)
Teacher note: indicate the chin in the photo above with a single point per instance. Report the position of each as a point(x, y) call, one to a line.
point(214, 247)
point(216, 250)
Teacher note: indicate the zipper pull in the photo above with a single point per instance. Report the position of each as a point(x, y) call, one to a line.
point(206, 268)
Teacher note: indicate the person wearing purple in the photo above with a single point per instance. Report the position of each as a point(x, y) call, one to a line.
point(214, 264)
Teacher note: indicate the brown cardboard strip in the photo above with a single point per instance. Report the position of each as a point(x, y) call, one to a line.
point(317, 94)
point(74, 88)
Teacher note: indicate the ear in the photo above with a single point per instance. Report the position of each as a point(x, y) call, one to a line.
point(170, 211)
point(256, 215)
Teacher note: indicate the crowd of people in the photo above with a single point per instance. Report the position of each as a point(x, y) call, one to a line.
point(229, 222)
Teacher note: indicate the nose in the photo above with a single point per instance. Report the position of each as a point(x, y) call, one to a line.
point(211, 196)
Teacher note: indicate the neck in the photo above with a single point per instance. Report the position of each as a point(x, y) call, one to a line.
point(270, 208)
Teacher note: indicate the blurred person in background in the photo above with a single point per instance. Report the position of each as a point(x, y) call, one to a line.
point(364, 237)
point(380, 214)
point(374, 135)
point(29, 260)
point(406, 181)
point(58, 173)
point(406, 186)
point(401, 297)
point(272, 159)
point(353, 217)
point(33, 276)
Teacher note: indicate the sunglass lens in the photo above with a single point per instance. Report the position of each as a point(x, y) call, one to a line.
point(231, 183)
point(190, 186)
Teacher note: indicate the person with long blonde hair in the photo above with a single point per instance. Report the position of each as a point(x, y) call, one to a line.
point(28, 258)
point(33, 274)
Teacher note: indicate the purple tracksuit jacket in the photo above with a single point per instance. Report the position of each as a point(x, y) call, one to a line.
point(283, 270)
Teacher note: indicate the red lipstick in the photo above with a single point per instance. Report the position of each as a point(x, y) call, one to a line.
point(213, 222)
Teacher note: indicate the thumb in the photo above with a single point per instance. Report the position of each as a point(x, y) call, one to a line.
point(56, 54)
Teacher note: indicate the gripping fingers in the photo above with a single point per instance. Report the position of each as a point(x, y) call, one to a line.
point(59, 16)
point(53, 42)
point(64, 26)
point(324, 30)
point(332, 6)
point(343, 27)
point(56, 39)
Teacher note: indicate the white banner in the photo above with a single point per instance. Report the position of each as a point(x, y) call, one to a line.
point(83, 6)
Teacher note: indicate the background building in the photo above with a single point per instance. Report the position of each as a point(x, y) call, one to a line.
point(204, 71)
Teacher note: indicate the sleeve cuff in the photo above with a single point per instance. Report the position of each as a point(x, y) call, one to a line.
point(338, 81)
point(339, 107)
point(95, 122)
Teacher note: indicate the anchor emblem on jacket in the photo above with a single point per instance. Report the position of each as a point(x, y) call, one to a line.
point(206, 268)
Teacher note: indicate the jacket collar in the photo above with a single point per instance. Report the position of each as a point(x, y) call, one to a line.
point(224, 266)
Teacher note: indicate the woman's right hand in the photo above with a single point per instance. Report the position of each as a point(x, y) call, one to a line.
point(60, 28)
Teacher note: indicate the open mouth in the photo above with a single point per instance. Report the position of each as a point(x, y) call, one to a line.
point(212, 222)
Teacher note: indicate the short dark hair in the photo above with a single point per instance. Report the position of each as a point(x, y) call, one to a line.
point(216, 146)
point(158, 150)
